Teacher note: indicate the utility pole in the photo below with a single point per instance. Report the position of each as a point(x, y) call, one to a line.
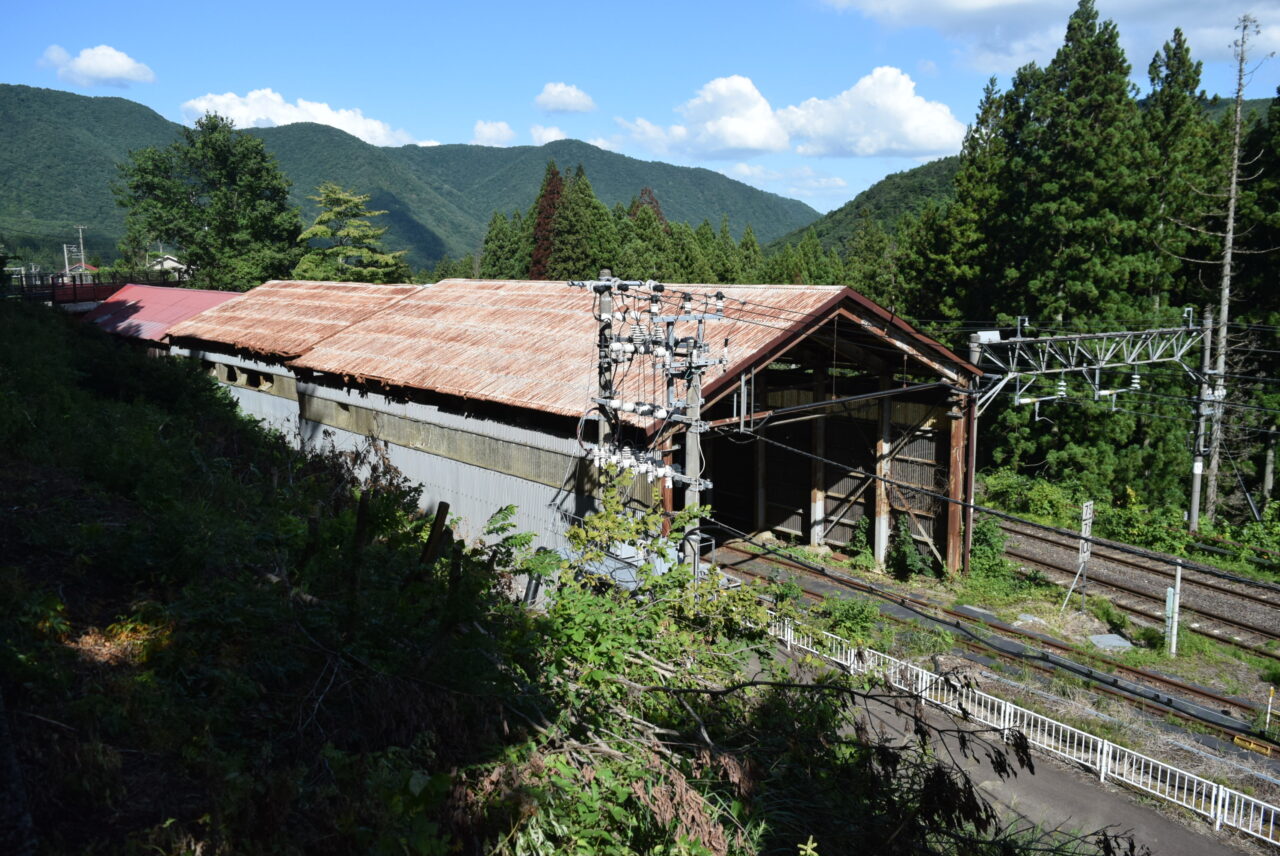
point(81, 229)
point(693, 441)
point(1202, 411)
point(653, 334)
point(605, 365)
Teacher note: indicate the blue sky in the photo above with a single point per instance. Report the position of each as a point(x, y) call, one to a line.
point(812, 99)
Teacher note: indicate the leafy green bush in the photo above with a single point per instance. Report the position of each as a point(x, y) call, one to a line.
point(905, 559)
point(853, 617)
point(1054, 503)
point(994, 581)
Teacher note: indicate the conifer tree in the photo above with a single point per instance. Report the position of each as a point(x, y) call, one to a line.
point(344, 246)
point(1074, 183)
point(750, 257)
point(499, 254)
point(646, 254)
point(648, 199)
point(1185, 157)
point(584, 238)
point(522, 237)
point(542, 221)
point(728, 259)
point(953, 254)
point(686, 261)
point(870, 266)
point(710, 247)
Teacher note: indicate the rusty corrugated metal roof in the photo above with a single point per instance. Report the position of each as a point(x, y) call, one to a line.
point(149, 311)
point(286, 319)
point(529, 344)
point(532, 344)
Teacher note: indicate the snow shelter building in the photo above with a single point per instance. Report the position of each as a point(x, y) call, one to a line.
point(830, 420)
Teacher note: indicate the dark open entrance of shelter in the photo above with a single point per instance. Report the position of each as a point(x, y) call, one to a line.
point(828, 442)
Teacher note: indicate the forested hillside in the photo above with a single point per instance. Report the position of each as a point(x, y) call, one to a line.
point(61, 150)
point(884, 203)
point(58, 159)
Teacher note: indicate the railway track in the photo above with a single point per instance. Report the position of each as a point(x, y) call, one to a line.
point(1237, 611)
point(1229, 717)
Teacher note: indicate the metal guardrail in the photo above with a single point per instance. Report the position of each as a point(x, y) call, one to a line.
point(1218, 803)
point(76, 288)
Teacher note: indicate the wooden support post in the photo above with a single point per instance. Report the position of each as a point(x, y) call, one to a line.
point(880, 539)
point(956, 461)
point(818, 483)
point(818, 469)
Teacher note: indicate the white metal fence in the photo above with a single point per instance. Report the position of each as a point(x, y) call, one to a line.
point(1218, 803)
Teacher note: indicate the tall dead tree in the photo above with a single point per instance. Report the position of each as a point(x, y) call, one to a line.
point(1247, 26)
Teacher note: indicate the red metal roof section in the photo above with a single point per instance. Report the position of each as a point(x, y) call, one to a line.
point(149, 311)
point(285, 319)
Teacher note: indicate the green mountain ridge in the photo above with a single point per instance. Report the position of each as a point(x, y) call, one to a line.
point(884, 202)
point(61, 152)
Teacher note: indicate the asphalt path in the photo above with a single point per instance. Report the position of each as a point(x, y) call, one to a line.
point(1058, 795)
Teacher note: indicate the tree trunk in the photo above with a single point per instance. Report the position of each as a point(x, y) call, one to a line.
point(1246, 26)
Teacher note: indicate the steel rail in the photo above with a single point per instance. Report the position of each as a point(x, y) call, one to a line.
point(1137, 688)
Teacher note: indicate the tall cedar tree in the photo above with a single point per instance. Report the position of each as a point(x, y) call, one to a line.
point(584, 238)
point(648, 199)
point(752, 259)
point(1053, 220)
point(1186, 152)
point(951, 252)
point(219, 199)
point(646, 253)
point(498, 250)
point(343, 246)
point(1258, 300)
point(543, 216)
point(728, 259)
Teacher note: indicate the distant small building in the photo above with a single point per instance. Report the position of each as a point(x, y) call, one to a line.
point(80, 272)
point(168, 264)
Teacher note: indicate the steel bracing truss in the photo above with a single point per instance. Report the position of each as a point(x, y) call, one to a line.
point(1023, 363)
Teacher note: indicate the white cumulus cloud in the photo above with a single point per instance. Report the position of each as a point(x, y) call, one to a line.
point(801, 182)
point(564, 98)
point(266, 108)
point(881, 114)
point(542, 135)
point(729, 115)
point(93, 66)
point(727, 118)
point(609, 145)
point(492, 134)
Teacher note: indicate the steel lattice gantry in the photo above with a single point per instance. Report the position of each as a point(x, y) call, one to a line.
point(1022, 362)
